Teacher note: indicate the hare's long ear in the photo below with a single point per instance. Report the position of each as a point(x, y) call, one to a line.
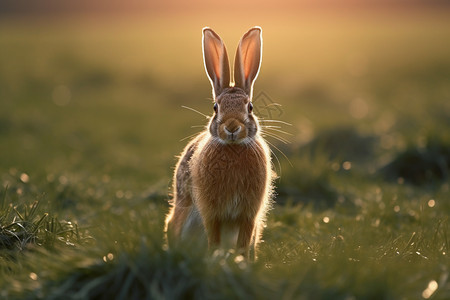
point(216, 61)
point(248, 60)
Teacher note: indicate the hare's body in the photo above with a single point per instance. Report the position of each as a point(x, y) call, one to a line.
point(222, 182)
point(231, 189)
point(215, 188)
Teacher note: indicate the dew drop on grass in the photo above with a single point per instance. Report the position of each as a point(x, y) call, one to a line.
point(108, 257)
point(335, 167)
point(376, 223)
point(63, 180)
point(347, 165)
point(24, 178)
point(431, 288)
point(238, 259)
point(33, 276)
point(120, 194)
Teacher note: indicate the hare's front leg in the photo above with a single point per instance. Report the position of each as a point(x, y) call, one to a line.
point(246, 230)
point(213, 227)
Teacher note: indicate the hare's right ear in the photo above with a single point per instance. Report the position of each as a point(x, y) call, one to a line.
point(216, 61)
point(248, 60)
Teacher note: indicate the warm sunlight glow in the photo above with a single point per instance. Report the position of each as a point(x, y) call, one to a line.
point(359, 108)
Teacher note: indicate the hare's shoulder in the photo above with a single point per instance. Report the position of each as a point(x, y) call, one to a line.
point(182, 172)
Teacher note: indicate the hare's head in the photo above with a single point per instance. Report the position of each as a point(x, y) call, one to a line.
point(233, 120)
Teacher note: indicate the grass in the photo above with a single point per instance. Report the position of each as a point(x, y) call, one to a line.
point(91, 122)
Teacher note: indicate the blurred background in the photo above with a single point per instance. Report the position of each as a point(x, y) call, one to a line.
point(98, 87)
point(92, 120)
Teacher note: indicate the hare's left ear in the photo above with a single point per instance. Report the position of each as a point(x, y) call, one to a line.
point(248, 60)
point(216, 61)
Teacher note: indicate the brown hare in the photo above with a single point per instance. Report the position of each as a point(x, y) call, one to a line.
point(223, 180)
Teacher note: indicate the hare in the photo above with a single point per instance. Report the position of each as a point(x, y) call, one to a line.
point(223, 180)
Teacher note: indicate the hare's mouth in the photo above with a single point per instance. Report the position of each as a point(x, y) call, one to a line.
point(232, 132)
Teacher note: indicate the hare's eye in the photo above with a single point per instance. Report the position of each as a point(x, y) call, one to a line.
point(216, 107)
point(250, 107)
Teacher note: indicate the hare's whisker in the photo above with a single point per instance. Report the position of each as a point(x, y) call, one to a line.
point(252, 147)
point(278, 130)
point(276, 121)
point(280, 152)
point(258, 150)
point(273, 104)
point(190, 136)
point(278, 161)
point(273, 135)
point(194, 110)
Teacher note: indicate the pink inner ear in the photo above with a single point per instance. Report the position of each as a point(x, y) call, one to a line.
point(250, 51)
point(248, 59)
point(215, 53)
point(217, 68)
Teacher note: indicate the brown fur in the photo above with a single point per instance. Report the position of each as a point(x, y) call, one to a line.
point(223, 180)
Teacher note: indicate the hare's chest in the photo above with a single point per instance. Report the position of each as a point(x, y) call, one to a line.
point(233, 168)
point(230, 179)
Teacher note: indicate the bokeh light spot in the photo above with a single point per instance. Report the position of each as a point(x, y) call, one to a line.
point(33, 276)
point(24, 178)
point(431, 288)
point(347, 165)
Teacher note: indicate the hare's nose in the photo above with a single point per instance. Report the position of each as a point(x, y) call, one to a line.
point(232, 126)
point(232, 129)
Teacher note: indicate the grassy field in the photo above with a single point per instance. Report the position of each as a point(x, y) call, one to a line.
point(91, 121)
